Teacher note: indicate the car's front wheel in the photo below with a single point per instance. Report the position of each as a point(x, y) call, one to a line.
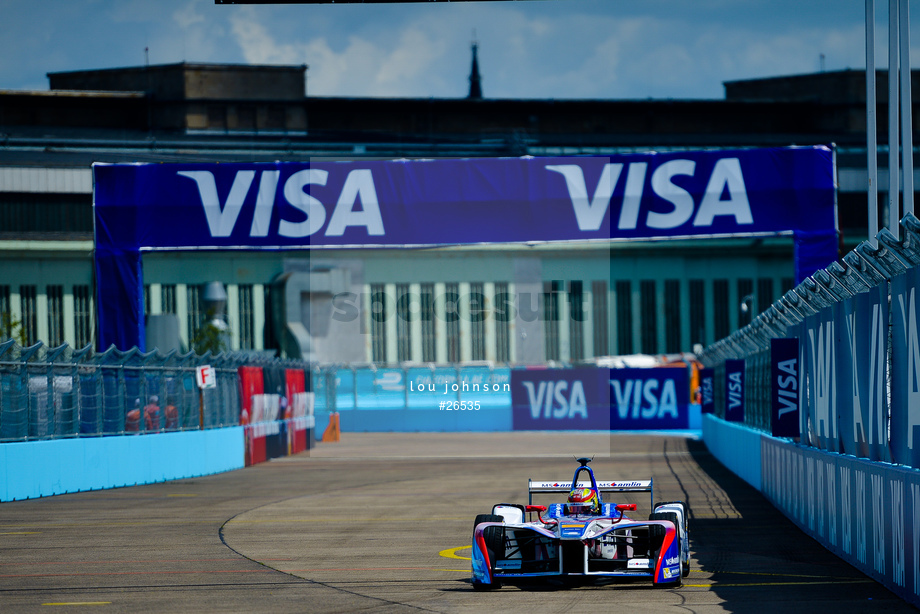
point(494, 538)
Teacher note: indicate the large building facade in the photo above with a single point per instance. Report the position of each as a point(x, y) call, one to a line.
point(518, 303)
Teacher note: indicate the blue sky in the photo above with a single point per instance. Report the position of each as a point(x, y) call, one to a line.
point(540, 49)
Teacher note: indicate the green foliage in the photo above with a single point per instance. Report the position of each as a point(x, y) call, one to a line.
point(211, 337)
point(11, 328)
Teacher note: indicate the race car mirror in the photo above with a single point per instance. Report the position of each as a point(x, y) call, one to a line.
point(626, 507)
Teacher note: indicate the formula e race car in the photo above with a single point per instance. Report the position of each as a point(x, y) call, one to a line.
point(580, 541)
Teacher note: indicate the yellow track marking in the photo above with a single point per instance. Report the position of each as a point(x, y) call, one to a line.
point(451, 553)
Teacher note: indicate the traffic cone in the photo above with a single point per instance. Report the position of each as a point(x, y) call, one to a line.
point(332, 431)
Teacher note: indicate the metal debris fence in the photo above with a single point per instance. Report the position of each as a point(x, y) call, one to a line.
point(859, 352)
point(50, 393)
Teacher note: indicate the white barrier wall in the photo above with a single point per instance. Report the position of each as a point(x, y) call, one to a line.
point(868, 513)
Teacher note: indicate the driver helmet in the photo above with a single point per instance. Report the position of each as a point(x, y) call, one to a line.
point(583, 501)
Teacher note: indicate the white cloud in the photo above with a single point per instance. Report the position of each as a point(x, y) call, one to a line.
point(188, 15)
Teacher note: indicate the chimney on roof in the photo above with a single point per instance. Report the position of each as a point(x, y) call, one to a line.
point(475, 79)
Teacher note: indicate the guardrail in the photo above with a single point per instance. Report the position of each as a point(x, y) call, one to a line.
point(851, 478)
point(859, 353)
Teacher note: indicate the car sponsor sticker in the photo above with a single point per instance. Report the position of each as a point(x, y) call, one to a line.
point(638, 564)
point(508, 564)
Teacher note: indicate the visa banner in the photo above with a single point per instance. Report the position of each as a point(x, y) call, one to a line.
point(560, 400)
point(707, 391)
point(600, 399)
point(784, 359)
point(413, 203)
point(734, 390)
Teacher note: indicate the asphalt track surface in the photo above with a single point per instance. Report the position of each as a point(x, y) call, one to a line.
point(382, 523)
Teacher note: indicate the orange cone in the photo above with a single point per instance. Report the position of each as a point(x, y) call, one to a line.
point(332, 432)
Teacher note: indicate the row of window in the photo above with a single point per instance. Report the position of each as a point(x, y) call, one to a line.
point(27, 319)
point(677, 313)
point(196, 315)
point(46, 213)
point(416, 315)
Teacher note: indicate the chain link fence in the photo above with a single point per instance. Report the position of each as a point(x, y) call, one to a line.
point(49, 393)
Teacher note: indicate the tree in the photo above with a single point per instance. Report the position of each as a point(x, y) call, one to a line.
point(213, 335)
point(11, 328)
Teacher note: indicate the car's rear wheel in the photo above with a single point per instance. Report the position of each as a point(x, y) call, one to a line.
point(495, 542)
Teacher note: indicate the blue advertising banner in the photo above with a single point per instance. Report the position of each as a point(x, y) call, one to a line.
point(865, 512)
point(707, 391)
point(905, 375)
point(560, 399)
point(784, 359)
point(642, 399)
point(819, 404)
point(600, 399)
point(397, 204)
point(734, 390)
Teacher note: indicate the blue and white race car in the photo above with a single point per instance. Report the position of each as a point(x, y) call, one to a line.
point(582, 540)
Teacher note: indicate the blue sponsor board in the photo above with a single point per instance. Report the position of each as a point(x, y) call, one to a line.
point(600, 399)
point(785, 378)
point(643, 399)
point(398, 204)
point(905, 373)
point(560, 399)
point(867, 513)
point(707, 391)
point(734, 390)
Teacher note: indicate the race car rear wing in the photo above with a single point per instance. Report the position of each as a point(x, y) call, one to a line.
point(545, 486)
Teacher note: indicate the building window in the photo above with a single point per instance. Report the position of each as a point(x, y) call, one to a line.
point(6, 314)
point(672, 315)
point(247, 324)
point(195, 316)
point(746, 301)
point(168, 298)
point(478, 315)
point(649, 332)
point(147, 309)
point(27, 295)
point(452, 318)
point(720, 308)
point(270, 294)
point(217, 117)
point(82, 313)
point(697, 312)
point(429, 327)
point(378, 323)
point(787, 284)
point(55, 315)
point(551, 291)
point(764, 294)
point(504, 306)
point(42, 212)
point(246, 117)
point(576, 320)
point(403, 323)
point(600, 312)
point(275, 118)
point(624, 318)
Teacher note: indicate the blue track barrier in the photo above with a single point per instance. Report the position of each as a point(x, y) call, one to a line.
point(42, 468)
point(866, 512)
